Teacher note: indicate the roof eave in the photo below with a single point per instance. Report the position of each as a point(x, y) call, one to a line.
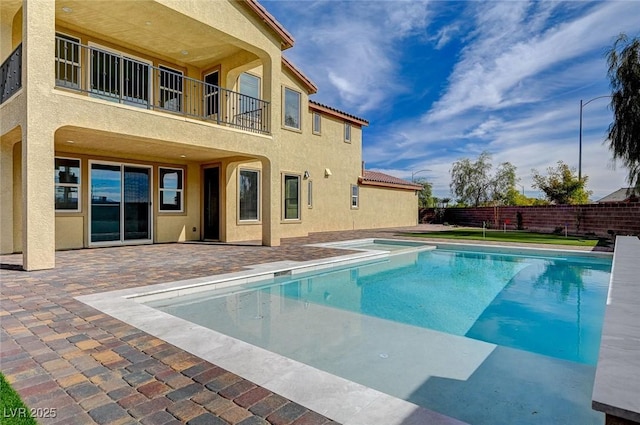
point(309, 85)
point(286, 39)
point(339, 114)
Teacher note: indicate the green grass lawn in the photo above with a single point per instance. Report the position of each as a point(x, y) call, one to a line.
point(12, 409)
point(514, 236)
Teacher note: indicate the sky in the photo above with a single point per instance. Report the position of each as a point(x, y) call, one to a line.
point(440, 81)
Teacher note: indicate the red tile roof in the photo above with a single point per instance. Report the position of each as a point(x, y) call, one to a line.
point(286, 39)
point(310, 85)
point(336, 112)
point(376, 178)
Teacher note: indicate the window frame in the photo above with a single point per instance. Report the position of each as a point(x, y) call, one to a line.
point(78, 186)
point(176, 75)
point(298, 177)
point(284, 109)
point(120, 95)
point(179, 190)
point(316, 127)
point(258, 196)
point(355, 197)
point(76, 65)
point(347, 132)
point(309, 193)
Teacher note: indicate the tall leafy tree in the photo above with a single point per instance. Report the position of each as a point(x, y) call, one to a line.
point(473, 184)
point(425, 196)
point(624, 132)
point(561, 185)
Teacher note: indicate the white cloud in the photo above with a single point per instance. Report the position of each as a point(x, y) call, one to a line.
point(506, 52)
point(351, 49)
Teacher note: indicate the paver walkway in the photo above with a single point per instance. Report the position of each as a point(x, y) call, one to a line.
point(77, 365)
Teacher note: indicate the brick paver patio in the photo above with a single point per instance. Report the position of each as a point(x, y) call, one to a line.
point(61, 354)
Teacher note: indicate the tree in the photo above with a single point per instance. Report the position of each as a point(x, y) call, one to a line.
point(561, 186)
point(425, 196)
point(624, 132)
point(473, 184)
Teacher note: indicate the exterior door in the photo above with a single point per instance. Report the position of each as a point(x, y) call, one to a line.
point(120, 204)
point(211, 213)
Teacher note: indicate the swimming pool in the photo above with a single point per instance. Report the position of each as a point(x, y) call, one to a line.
point(485, 335)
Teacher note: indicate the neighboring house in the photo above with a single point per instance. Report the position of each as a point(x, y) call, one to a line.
point(165, 121)
point(623, 194)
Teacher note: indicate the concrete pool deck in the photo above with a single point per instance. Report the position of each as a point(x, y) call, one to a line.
point(92, 368)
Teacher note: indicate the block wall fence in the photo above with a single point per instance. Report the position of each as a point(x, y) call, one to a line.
point(598, 219)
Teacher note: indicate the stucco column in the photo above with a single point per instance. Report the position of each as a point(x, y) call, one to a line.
point(38, 210)
point(6, 197)
point(270, 203)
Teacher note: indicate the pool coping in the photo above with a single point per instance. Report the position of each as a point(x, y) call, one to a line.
point(334, 397)
point(617, 381)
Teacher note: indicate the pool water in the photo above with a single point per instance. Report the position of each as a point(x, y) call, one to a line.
point(486, 337)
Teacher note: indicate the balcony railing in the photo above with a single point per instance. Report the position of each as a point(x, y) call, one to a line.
point(11, 74)
point(116, 77)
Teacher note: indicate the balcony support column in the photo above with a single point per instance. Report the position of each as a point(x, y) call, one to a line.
point(38, 206)
point(270, 203)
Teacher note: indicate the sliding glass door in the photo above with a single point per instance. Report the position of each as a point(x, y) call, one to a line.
point(120, 203)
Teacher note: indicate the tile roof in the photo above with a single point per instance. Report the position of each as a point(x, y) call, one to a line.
point(623, 194)
point(376, 178)
point(286, 39)
point(310, 85)
point(336, 112)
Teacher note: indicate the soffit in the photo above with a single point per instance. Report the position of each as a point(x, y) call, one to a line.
point(99, 143)
point(149, 27)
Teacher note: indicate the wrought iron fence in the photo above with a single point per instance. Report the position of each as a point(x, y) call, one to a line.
point(116, 77)
point(11, 74)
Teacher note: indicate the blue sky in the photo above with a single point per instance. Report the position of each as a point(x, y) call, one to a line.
point(444, 80)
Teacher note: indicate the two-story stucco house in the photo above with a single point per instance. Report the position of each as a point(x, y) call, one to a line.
point(159, 121)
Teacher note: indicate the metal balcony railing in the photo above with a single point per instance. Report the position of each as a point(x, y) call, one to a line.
point(116, 77)
point(11, 74)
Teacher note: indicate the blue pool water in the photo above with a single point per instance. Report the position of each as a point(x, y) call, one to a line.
point(481, 336)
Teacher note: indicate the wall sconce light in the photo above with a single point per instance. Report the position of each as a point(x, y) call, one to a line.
point(306, 175)
point(327, 172)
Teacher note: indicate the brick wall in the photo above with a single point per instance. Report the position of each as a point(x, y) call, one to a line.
point(598, 219)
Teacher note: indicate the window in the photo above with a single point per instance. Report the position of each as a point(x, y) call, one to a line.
point(249, 105)
point(317, 121)
point(171, 189)
point(354, 196)
point(291, 197)
point(67, 61)
point(249, 195)
point(347, 132)
point(291, 108)
point(67, 184)
point(211, 93)
point(170, 89)
point(310, 194)
point(116, 77)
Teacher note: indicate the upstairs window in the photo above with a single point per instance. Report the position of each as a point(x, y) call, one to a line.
point(67, 61)
point(292, 108)
point(170, 89)
point(317, 123)
point(347, 132)
point(171, 189)
point(67, 184)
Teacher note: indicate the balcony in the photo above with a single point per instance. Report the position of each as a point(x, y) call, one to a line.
point(11, 74)
point(115, 77)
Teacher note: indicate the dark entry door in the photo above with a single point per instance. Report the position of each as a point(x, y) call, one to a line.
point(211, 228)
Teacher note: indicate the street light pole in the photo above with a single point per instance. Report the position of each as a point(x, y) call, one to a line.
point(416, 172)
point(582, 105)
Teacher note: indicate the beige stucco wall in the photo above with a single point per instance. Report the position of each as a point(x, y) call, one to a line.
point(88, 128)
point(382, 207)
